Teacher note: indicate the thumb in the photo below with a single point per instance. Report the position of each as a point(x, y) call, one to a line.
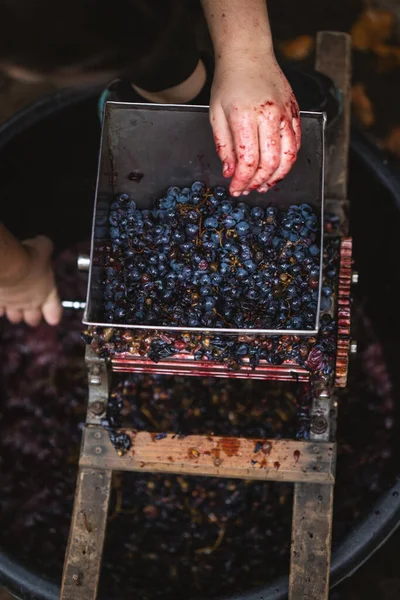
point(41, 244)
point(52, 309)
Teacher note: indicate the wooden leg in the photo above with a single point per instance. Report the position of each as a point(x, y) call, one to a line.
point(86, 539)
point(333, 59)
point(313, 502)
point(311, 542)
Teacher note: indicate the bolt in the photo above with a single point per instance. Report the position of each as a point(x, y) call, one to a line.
point(76, 578)
point(97, 450)
point(83, 262)
point(315, 449)
point(354, 277)
point(353, 348)
point(97, 435)
point(97, 408)
point(319, 424)
point(95, 375)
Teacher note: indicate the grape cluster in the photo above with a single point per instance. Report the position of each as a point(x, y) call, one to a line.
point(204, 259)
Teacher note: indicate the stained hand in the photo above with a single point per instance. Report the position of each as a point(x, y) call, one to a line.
point(255, 120)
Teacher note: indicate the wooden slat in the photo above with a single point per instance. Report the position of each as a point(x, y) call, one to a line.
point(276, 460)
point(333, 59)
point(311, 542)
point(85, 545)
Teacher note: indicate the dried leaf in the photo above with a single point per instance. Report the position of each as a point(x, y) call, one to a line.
point(373, 27)
point(388, 57)
point(362, 105)
point(392, 142)
point(387, 51)
point(298, 48)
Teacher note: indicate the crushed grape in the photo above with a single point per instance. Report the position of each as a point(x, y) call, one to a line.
point(167, 536)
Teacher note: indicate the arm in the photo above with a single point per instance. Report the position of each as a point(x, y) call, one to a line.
point(253, 112)
point(27, 287)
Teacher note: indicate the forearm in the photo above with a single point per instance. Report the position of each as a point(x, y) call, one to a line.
point(13, 258)
point(238, 26)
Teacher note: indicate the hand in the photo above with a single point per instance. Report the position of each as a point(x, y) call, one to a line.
point(34, 295)
point(255, 120)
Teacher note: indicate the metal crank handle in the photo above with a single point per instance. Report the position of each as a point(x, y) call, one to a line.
point(74, 304)
point(83, 264)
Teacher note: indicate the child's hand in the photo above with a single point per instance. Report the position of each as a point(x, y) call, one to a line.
point(255, 119)
point(34, 295)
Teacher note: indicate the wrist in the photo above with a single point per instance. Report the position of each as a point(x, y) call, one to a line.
point(247, 53)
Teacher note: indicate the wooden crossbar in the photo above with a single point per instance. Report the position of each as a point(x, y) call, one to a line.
point(266, 460)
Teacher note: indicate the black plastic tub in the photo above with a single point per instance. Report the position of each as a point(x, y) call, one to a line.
point(48, 157)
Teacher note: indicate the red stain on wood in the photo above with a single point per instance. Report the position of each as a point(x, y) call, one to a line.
point(230, 446)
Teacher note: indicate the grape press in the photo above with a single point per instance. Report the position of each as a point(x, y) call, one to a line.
point(186, 280)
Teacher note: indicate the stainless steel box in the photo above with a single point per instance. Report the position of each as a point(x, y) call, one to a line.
point(145, 148)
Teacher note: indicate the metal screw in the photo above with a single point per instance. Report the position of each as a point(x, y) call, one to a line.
point(97, 450)
point(354, 277)
point(95, 375)
point(97, 435)
point(76, 578)
point(97, 408)
point(83, 262)
point(353, 347)
point(319, 424)
point(315, 449)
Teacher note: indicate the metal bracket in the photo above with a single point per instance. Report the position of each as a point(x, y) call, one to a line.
point(99, 380)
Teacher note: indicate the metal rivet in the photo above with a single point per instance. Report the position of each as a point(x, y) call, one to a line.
point(97, 450)
point(97, 435)
point(353, 347)
point(95, 375)
point(97, 408)
point(315, 449)
point(319, 424)
point(354, 277)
